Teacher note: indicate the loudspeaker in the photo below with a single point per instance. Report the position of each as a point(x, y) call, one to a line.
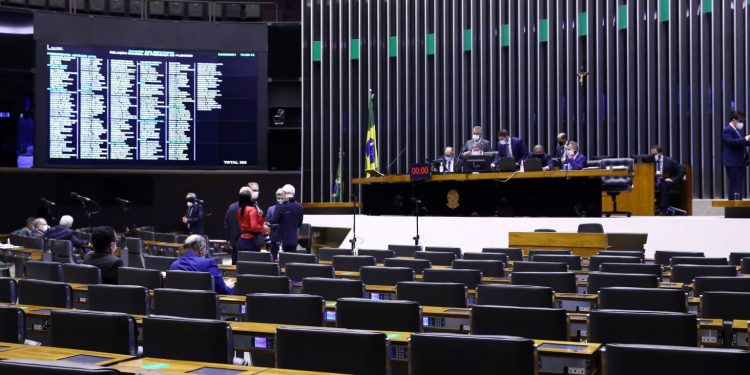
point(284, 148)
point(284, 54)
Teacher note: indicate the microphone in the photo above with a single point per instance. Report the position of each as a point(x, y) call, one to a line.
point(201, 201)
point(75, 195)
point(120, 200)
point(415, 201)
point(46, 201)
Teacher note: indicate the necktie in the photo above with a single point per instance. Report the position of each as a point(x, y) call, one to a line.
point(450, 166)
point(510, 150)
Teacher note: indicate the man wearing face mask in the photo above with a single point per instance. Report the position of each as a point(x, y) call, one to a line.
point(273, 229)
point(232, 229)
point(734, 154)
point(538, 153)
point(288, 217)
point(477, 144)
point(251, 221)
point(40, 227)
point(574, 160)
point(194, 259)
point(562, 146)
point(512, 147)
point(668, 176)
point(193, 218)
point(449, 162)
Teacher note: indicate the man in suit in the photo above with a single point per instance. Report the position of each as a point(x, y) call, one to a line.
point(232, 228)
point(194, 259)
point(103, 240)
point(40, 227)
point(508, 146)
point(273, 229)
point(288, 219)
point(476, 145)
point(669, 175)
point(734, 153)
point(562, 146)
point(574, 160)
point(449, 161)
point(193, 218)
point(26, 230)
point(538, 153)
point(63, 231)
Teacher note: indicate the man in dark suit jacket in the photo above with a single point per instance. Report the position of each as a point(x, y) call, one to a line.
point(538, 153)
point(449, 161)
point(476, 144)
point(103, 240)
point(232, 228)
point(734, 153)
point(62, 231)
point(574, 160)
point(669, 175)
point(194, 259)
point(508, 146)
point(288, 218)
point(193, 218)
point(273, 229)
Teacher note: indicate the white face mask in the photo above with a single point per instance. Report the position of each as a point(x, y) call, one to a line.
point(44, 228)
point(254, 194)
point(504, 142)
point(740, 126)
point(279, 200)
point(190, 204)
point(475, 137)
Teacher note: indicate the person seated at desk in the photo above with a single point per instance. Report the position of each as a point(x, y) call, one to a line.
point(538, 153)
point(508, 146)
point(669, 175)
point(104, 244)
point(27, 229)
point(448, 161)
point(194, 259)
point(574, 160)
point(40, 227)
point(63, 232)
point(476, 145)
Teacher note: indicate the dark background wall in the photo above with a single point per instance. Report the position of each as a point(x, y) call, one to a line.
point(659, 71)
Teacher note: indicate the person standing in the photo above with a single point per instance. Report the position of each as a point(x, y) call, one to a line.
point(510, 147)
point(734, 154)
point(194, 215)
point(477, 144)
point(273, 229)
point(250, 220)
point(288, 217)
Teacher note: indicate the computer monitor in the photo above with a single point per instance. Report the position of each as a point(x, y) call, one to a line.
point(532, 165)
point(478, 163)
point(507, 164)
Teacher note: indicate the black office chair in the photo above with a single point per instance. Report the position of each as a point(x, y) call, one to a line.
point(8, 290)
point(97, 331)
point(500, 257)
point(12, 325)
point(62, 251)
point(745, 266)
point(488, 268)
point(45, 293)
point(614, 185)
point(524, 266)
point(189, 280)
point(530, 322)
point(297, 309)
point(735, 258)
point(333, 289)
point(597, 260)
point(624, 253)
point(545, 230)
point(198, 304)
point(590, 228)
point(560, 282)
point(406, 251)
point(248, 284)
point(643, 327)
point(298, 271)
point(436, 258)
point(432, 294)
point(533, 252)
point(135, 248)
point(478, 354)
point(360, 313)
point(254, 256)
point(704, 261)
point(81, 274)
point(515, 295)
point(165, 237)
point(513, 253)
point(664, 256)
point(352, 262)
point(385, 275)
point(258, 268)
point(650, 269)
point(644, 299)
point(149, 279)
point(286, 258)
point(128, 299)
point(441, 249)
point(147, 234)
point(188, 339)
point(332, 350)
point(573, 261)
point(380, 255)
point(685, 273)
point(600, 280)
point(725, 305)
point(327, 253)
point(158, 263)
point(704, 284)
point(622, 359)
point(36, 367)
point(418, 265)
point(40, 270)
point(469, 277)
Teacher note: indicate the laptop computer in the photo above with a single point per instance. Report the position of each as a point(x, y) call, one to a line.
point(506, 164)
point(532, 165)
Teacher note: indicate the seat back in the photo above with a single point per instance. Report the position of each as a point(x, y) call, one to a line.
point(651, 269)
point(198, 304)
point(560, 282)
point(298, 271)
point(287, 257)
point(40, 270)
point(513, 253)
point(487, 256)
point(624, 253)
point(327, 253)
point(298, 309)
point(533, 252)
point(159, 263)
point(478, 354)
point(7, 290)
point(128, 299)
point(725, 305)
point(441, 249)
point(81, 274)
point(545, 230)
point(13, 323)
point(488, 268)
point(685, 273)
point(405, 250)
point(530, 322)
point(735, 258)
point(664, 256)
point(104, 331)
point(469, 277)
point(258, 268)
point(418, 265)
point(600, 280)
point(643, 327)
point(147, 235)
point(165, 237)
point(333, 289)
point(515, 295)
point(352, 262)
point(590, 228)
point(189, 280)
point(135, 252)
point(147, 278)
point(33, 243)
point(623, 359)
point(432, 294)
point(62, 250)
point(745, 266)
point(36, 367)
point(254, 256)
point(248, 284)
point(597, 260)
point(702, 284)
point(331, 350)
point(44, 293)
point(385, 275)
point(573, 261)
point(524, 266)
point(699, 261)
point(360, 313)
point(645, 299)
point(617, 183)
point(188, 339)
point(436, 258)
point(380, 255)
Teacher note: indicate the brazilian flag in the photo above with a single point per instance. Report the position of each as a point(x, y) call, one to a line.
point(336, 188)
point(371, 145)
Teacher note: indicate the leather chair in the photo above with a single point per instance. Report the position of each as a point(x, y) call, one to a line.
point(36, 367)
point(735, 258)
point(614, 185)
point(188, 339)
point(149, 279)
point(7, 290)
point(488, 268)
point(361, 313)
point(590, 228)
point(624, 253)
point(533, 252)
point(13, 323)
point(477, 354)
point(405, 250)
point(664, 256)
point(704, 261)
point(189, 280)
point(385, 275)
point(198, 304)
point(135, 248)
point(40, 270)
point(515, 295)
point(298, 271)
point(297, 309)
point(128, 299)
point(165, 237)
point(254, 256)
point(545, 230)
point(745, 266)
point(644, 299)
point(436, 258)
point(327, 253)
point(487, 256)
point(81, 274)
point(432, 294)
point(623, 359)
point(685, 273)
point(332, 350)
point(513, 253)
point(258, 268)
point(643, 327)
point(147, 235)
point(333, 289)
point(573, 261)
point(471, 278)
point(33, 243)
point(600, 280)
point(530, 322)
point(418, 265)
point(704, 284)
point(62, 251)
point(248, 284)
point(650, 269)
point(441, 249)
point(597, 260)
point(352, 262)
point(725, 305)
point(96, 331)
point(286, 258)
point(158, 263)
point(524, 266)
point(560, 282)
point(45, 293)
point(380, 255)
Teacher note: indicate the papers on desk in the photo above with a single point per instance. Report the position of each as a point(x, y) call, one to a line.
point(7, 246)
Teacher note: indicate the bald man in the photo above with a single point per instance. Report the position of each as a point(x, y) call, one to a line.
point(194, 259)
point(538, 153)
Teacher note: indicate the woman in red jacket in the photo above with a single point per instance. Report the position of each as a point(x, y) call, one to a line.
point(251, 221)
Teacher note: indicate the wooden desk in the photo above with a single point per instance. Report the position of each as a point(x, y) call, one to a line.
point(555, 357)
point(740, 334)
point(171, 366)
point(583, 244)
point(47, 353)
point(641, 200)
point(733, 209)
point(163, 248)
point(10, 346)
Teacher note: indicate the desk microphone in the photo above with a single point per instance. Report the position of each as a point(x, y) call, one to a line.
point(75, 195)
point(46, 201)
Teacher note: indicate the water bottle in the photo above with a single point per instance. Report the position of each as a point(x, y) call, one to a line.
point(522, 165)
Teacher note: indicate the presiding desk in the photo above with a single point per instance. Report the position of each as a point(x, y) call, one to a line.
point(733, 209)
point(641, 200)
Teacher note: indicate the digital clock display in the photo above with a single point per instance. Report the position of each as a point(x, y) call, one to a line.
point(420, 171)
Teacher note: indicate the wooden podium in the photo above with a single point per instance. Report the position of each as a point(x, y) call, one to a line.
point(582, 244)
